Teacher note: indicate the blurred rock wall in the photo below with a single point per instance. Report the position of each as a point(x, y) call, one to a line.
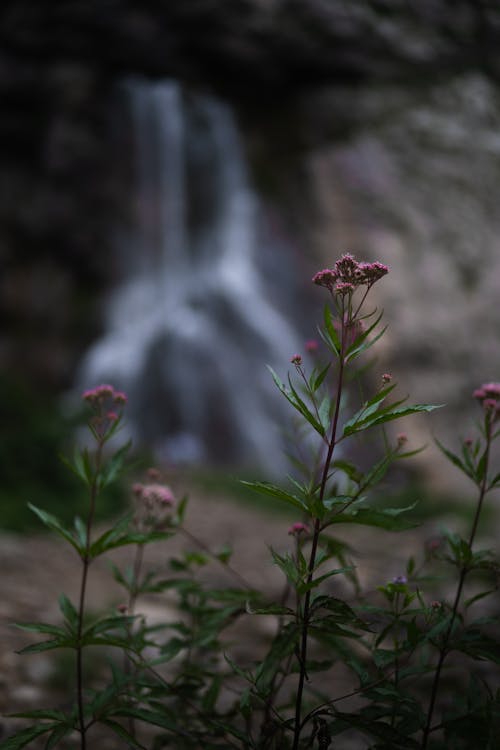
point(370, 126)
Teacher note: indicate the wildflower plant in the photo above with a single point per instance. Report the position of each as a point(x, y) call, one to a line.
point(399, 648)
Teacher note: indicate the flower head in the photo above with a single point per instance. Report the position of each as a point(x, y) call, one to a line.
point(296, 360)
point(298, 528)
point(400, 579)
point(327, 278)
point(348, 274)
point(488, 396)
point(311, 346)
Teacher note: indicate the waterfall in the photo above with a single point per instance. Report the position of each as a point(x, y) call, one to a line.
point(196, 316)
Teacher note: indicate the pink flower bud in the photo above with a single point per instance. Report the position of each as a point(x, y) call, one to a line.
point(298, 528)
point(296, 360)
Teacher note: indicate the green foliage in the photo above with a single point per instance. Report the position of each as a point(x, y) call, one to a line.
point(187, 683)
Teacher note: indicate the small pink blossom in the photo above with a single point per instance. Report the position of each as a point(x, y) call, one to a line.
point(120, 398)
point(122, 608)
point(298, 528)
point(402, 438)
point(436, 605)
point(327, 278)
point(296, 360)
point(344, 287)
point(311, 346)
point(112, 416)
point(386, 377)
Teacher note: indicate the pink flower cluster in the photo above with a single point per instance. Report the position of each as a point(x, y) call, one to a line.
point(154, 501)
point(153, 494)
point(106, 403)
point(488, 396)
point(97, 396)
point(348, 274)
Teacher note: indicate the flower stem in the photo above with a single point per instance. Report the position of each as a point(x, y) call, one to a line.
point(83, 588)
point(443, 652)
point(314, 547)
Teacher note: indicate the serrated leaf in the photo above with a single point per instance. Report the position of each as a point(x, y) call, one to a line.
point(269, 609)
point(320, 377)
point(308, 586)
point(266, 488)
point(41, 627)
point(386, 518)
point(122, 733)
point(25, 736)
point(330, 335)
point(366, 344)
point(40, 713)
point(57, 734)
point(302, 407)
point(36, 648)
point(150, 717)
point(388, 415)
point(331, 502)
point(76, 467)
point(288, 565)
point(54, 524)
point(283, 645)
point(69, 612)
point(455, 460)
point(114, 466)
point(369, 407)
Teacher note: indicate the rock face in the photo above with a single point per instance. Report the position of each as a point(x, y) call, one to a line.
point(370, 126)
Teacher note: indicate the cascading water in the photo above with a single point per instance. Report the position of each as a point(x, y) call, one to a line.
point(196, 319)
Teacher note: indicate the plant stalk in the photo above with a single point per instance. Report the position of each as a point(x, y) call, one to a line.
point(314, 548)
point(463, 573)
point(83, 588)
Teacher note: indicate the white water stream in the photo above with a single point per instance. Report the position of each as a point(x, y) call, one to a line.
point(192, 325)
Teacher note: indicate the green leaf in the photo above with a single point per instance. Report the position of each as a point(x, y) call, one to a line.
point(113, 468)
point(386, 415)
point(269, 609)
point(40, 713)
point(41, 627)
point(308, 586)
point(266, 488)
point(283, 645)
point(386, 518)
point(69, 612)
point(55, 525)
point(81, 532)
point(122, 733)
point(80, 466)
point(58, 734)
point(37, 648)
point(302, 407)
point(150, 717)
point(349, 469)
point(330, 335)
point(332, 502)
point(455, 460)
point(288, 565)
point(25, 736)
point(358, 348)
point(319, 378)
